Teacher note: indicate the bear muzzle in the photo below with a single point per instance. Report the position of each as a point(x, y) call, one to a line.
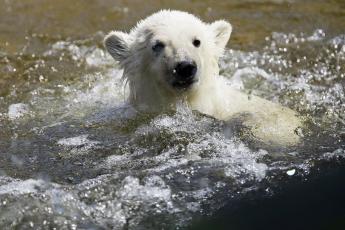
point(184, 74)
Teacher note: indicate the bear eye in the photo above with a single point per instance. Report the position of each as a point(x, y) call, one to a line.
point(159, 46)
point(196, 42)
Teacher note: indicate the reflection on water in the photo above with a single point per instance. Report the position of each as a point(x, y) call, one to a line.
point(252, 20)
point(74, 155)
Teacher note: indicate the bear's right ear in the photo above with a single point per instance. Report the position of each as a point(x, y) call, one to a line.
point(117, 44)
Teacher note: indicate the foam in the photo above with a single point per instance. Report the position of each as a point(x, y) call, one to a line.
point(18, 110)
point(77, 141)
point(21, 187)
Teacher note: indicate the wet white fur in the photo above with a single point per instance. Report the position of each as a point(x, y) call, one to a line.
point(149, 81)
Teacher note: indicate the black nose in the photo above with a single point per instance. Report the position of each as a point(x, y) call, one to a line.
point(185, 70)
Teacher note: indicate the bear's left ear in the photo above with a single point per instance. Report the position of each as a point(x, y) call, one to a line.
point(221, 31)
point(117, 44)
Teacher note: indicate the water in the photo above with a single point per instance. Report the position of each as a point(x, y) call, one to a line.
point(75, 156)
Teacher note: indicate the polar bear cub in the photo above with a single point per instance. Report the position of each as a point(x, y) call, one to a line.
point(173, 55)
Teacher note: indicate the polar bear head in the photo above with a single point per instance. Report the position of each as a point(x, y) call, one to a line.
point(168, 55)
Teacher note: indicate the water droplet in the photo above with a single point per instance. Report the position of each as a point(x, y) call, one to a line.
point(291, 172)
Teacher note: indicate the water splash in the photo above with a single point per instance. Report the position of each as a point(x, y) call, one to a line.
point(116, 168)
